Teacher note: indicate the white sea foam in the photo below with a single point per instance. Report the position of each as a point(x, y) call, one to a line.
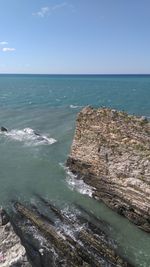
point(73, 106)
point(74, 227)
point(29, 137)
point(77, 184)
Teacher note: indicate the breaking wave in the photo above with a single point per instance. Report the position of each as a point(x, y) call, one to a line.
point(77, 184)
point(29, 137)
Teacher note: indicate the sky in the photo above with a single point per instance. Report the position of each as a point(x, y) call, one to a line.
point(75, 36)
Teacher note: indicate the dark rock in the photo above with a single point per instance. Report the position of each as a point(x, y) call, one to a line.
point(4, 219)
point(3, 129)
point(49, 244)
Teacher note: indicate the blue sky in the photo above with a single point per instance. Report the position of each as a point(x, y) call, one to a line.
point(75, 36)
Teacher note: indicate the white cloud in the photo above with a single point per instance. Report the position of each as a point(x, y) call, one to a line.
point(42, 13)
point(3, 43)
point(3, 47)
point(59, 6)
point(63, 5)
point(8, 49)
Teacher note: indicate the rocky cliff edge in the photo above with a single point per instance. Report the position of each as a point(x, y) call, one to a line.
point(111, 152)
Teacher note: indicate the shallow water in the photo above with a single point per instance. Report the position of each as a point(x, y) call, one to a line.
point(47, 106)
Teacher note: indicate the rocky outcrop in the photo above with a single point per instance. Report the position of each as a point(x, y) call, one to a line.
point(12, 253)
point(111, 152)
point(3, 129)
point(54, 237)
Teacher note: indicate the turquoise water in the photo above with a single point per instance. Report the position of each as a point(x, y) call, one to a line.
point(48, 105)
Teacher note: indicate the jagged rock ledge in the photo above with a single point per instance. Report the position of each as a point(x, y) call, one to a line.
point(12, 253)
point(52, 237)
point(111, 152)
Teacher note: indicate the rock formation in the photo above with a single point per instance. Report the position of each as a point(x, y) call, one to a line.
point(12, 253)
point(53, 237)
point(111, 152)
point(3, 129)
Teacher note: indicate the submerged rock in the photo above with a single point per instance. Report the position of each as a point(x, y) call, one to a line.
point(111, 152)
point(53, 237)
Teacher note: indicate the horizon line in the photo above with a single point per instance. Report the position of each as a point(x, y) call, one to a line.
point(5, 73)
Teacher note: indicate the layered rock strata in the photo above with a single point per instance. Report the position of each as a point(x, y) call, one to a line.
point(111, 152)
point(53, 237)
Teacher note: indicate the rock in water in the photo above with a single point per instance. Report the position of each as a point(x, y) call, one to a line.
point(3, 129)
point(111, 151)
point(56, 239)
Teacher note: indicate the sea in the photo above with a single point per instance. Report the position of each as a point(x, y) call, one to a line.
point(40, 112)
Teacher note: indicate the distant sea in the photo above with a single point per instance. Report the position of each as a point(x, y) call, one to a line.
point(47, 105)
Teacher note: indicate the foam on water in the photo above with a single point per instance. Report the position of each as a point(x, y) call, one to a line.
point(77, 184)
point(29, 137)
point(73, 106)
point(71, 228)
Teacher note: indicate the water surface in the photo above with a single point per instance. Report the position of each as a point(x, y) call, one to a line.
point(48, 105)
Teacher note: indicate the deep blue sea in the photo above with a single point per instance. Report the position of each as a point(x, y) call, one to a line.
point(31, 163)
